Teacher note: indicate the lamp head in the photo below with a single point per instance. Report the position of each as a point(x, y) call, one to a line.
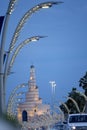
point(36, 38)
point(50, 4)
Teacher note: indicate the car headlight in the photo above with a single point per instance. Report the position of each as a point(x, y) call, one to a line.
point(73, 128)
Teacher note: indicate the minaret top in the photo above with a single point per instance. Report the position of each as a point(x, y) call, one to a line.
point(32, 66)
point(32, 79)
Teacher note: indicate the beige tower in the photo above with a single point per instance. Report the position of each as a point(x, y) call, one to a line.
point(33, 103)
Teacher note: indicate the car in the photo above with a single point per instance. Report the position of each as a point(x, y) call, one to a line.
point(77, 121)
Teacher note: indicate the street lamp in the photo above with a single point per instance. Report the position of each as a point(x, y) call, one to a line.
point(3, 72)
point(9, 12)
point(53, 85)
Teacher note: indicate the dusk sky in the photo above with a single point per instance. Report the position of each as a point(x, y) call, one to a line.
point(60, 57)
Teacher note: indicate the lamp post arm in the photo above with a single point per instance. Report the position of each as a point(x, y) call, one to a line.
point(66, 107)
point(20, 46)
point(85, 97)
point(62, 113)
point(12, 102)
point(13, 93)
point(16, 53)
point(74, 103)
point(15, 89)
point(7, 69)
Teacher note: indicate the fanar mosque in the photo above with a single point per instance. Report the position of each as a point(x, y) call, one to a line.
point(33, 105)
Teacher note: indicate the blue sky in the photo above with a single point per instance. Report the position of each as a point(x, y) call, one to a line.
point(62, 56)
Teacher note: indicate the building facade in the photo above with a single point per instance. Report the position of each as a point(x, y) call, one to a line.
point(33, 105)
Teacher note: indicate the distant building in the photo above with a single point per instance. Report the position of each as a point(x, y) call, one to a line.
point(33, 104)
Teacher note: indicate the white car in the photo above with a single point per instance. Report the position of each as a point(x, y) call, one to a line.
point(77, 121)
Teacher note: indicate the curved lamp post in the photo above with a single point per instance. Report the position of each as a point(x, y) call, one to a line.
point(13, 41)
point(13, 93)
point(12, 103)
point(85, 97)
point(66, 107)
point(62, 114)
point(16, 104)
point(77, 107)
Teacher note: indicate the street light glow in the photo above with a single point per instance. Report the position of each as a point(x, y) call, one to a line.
point(46, 6)
point(34, 39)
point(53, 85)
point(50, 4)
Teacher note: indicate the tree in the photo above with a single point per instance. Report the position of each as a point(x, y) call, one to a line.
point(78, 98)
point(83, 83)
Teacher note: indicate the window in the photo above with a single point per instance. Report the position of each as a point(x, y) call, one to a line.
point(78, 118)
